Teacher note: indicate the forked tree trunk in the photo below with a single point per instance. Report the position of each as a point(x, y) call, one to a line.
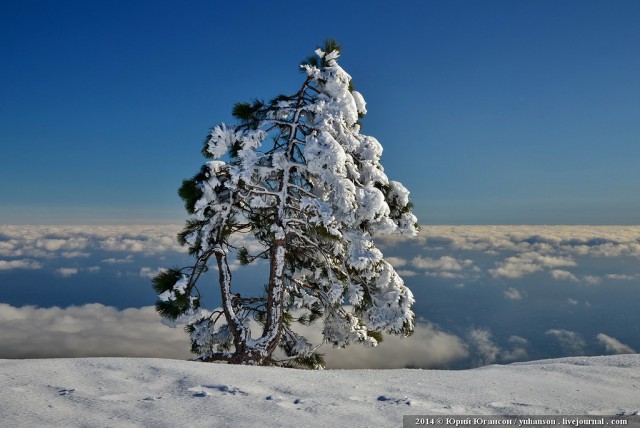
point(247, 350)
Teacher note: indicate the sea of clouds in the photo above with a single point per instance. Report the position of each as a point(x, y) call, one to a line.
point(485, 294)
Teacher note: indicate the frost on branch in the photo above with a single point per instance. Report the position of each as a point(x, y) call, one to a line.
point(297, 176)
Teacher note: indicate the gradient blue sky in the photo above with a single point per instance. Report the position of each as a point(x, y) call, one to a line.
point(492, 112)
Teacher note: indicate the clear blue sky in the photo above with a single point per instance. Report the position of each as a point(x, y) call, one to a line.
point(490, 112)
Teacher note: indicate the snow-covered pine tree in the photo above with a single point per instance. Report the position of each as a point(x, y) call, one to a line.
point(301, 179)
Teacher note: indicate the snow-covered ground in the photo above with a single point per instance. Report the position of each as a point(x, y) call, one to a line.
point(159, 392)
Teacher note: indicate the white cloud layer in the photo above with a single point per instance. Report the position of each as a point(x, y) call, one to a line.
point(622, 277)
point(428, 347)
point(21, 244)
point(80, 241)
point(98, 330)
point(88, 330)
point(147, 272)
point(473, 256)
point(598, 241)
point(563, 275)
point(570, 342)
point(396, 262)
point(519, 250)
point(443, 263)
point(19, 264)
point(67, 272)
point(485, 351)
point(613, 345)
point(512, 293)
point(526, 263)
point(444, 267)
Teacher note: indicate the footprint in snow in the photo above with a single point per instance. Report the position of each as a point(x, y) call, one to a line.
point(279, 399)
point(392, 400)
point(207, 390)
point(61, 390)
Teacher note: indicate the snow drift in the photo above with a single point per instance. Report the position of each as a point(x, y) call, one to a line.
point(168, 393)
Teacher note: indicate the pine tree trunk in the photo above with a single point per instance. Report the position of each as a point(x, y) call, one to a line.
point(248, 356)
point(247, 351)
point(238, 330)
point(275, 298)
